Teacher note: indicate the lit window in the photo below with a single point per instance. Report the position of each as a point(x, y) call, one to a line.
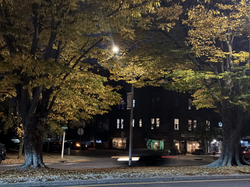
point(189, 104)
point(140, 123)
point(207, 125)
point(133, 123)
point(176, 124)
point(194, 125)
point(122, 124)
point(157, 122)
point(152, 123)
point(133, 103)
point(189, 125)
point(118, 123)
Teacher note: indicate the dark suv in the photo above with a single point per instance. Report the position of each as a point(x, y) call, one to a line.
point(2, 152)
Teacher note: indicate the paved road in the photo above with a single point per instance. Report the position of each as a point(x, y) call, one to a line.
point(205, 181)
point(194, 183)
point(102, 159)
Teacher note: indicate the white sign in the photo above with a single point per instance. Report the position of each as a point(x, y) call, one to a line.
point(80, 131)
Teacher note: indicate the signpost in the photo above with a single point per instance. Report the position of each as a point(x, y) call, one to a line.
point(131, 125)
point(64, 128)
point(80, 131)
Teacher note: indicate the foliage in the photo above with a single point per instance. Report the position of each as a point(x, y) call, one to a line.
point(146, 57)
point(218, 35)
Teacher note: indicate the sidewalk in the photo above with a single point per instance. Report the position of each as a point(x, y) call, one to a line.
point(50, 176)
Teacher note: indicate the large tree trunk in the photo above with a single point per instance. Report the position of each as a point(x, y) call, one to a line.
point(233, 125)
point(33, 137)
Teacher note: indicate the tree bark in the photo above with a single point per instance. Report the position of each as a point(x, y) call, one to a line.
point(233, 124)
point(33, 137)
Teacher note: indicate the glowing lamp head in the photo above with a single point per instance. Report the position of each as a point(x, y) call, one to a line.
point(115, 49)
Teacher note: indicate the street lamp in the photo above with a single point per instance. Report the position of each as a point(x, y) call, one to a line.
point(115, 50)
point(131, 126)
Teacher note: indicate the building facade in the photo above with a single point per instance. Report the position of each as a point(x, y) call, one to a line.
point(162, 120)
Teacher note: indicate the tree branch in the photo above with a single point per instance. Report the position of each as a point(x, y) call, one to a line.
point(9, 44)
point(178, 45)
point(35, 41)
point(35, 100)
point(80, 49)
point(85, 52)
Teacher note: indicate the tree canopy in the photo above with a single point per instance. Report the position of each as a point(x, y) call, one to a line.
point(49, 54)
point(218, 34)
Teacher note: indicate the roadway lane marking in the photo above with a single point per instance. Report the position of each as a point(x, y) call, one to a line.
point(164, 182)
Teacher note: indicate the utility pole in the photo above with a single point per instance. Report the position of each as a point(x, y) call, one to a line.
point(131, 126)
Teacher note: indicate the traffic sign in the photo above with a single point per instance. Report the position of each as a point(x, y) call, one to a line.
point(80, 131)
point(65, 128)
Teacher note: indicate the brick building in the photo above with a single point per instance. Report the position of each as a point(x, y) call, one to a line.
point(161, 120)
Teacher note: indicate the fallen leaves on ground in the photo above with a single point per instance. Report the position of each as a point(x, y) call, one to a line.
point(49, 174)
point(47, 158)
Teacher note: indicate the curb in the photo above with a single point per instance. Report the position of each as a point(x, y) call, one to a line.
point(125, 180)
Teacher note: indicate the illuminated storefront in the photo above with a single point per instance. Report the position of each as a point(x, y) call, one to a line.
point(192, 145)
point(119, 143)
point(155, 144)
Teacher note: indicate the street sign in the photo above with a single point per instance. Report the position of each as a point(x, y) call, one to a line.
point(80, 131)
point(65, 128)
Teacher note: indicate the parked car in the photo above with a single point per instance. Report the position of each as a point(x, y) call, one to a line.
point(246, 153)
point(76, 144)
point(13, 143)
point(2, 152)
point(52, 146)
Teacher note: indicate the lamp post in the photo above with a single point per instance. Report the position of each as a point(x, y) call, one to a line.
point(115, 50)
point(131, 126)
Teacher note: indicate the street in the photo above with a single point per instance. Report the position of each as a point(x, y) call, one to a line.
point(108, 163)
point(102, 159)
point(193, 183)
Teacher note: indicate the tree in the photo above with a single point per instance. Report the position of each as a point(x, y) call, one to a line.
point(11, 120)
point(145, 57)
point(219, 37)
point(205, 132)
point(43, 60)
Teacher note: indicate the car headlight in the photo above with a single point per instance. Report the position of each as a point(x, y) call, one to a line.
point(78, 145)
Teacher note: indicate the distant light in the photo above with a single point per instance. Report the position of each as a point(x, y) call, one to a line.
point(77, 145)
point(241, 141)
point(115, 49)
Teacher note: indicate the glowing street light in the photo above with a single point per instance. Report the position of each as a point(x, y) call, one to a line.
point(115, 49)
